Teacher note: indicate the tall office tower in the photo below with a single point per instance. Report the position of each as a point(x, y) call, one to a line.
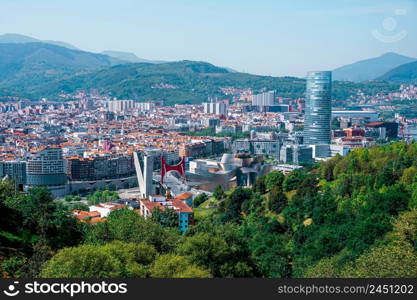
point(264, 99)
point(144, 171)
point(318, 108)
point(46, 168)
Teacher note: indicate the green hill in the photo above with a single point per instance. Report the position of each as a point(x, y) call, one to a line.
point(188, 82)
point(406, 73)
point(36, 70)
point(24, 66)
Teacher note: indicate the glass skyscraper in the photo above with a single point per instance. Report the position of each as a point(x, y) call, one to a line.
point(318, 108)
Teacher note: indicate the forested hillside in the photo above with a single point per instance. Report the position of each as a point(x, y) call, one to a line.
point(39, 70)
point(348, 217)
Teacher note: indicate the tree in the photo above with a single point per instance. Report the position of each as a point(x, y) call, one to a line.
point(116, 259)
point(167, 217)
point(14, 266)
point(276, 200)
point(395, 260)
point(274, 179)
point(260, 185)
point(200, 199)
point(232, 206)
point(408, 175)
point(218, 192)
point(220, 248)
point(270, 255)
point(47, 219)
point(175, 266)
point(292, 180)
point(205, 250)
point(127, 226)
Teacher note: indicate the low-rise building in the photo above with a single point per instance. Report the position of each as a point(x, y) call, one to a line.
point(177, 204)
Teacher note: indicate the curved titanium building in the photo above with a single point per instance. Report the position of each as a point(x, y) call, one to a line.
point(318, 108)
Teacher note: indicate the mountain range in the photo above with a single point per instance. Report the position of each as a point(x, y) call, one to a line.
point(371, 69)
point(406, 73)
point(130, 57)
point(28, 65)
point(36, 69)
point(13, 38)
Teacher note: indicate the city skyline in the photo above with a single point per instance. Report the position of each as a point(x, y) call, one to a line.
point(267, 38)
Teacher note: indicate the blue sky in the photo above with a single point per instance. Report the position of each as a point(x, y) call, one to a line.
point(271, 37)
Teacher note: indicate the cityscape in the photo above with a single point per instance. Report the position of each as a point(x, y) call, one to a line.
point(114, 167)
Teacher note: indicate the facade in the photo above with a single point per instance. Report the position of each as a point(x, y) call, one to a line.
point(46, 168)
point(318, 108)
point(120, 106)
point(258, 147)
point(197, 149)
point(97, 168)
point(321, 151)
point(264, 99)
point(383, 130)
point(339, 150)
point(296, 154)
point(211, 122)
point(215, 108)
point(16, 170)
point(368, 115)
point(145, 106)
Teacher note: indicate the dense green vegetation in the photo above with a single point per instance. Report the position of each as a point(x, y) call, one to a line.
point(191, 82)
point(102, 196)
point(353, 216)
point(37, 70)
point(24, 67)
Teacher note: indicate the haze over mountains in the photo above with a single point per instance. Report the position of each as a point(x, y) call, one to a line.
point(13, 38)
point(130, 57)
point(34, 69)
point(406, 73)
point(371, 69)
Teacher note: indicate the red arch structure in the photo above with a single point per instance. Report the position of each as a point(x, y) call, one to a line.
point(180, 168)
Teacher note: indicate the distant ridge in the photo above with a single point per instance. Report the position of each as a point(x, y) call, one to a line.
point(406, 73)
point(14, 38)
point(370, 69)
point(28, 65)
point(130, 57)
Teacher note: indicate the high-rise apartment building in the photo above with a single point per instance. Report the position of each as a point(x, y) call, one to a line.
point(215, 108)
point(120, 106)
point(47, 168)
point(264, 99)
point(318, 108)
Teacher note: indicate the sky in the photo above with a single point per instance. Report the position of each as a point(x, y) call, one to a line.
point(266, 37)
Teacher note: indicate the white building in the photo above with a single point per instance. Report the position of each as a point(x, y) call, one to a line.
point(369, 115)
point(215, 108)
point(264, 99)
point(105, 208)
point(120, 106)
